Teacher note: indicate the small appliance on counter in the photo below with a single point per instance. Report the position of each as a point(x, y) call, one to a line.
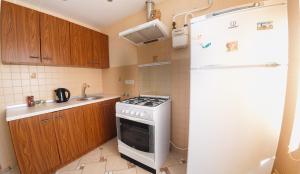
point(61, 95)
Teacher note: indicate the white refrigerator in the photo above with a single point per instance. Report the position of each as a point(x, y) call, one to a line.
point(239, 62)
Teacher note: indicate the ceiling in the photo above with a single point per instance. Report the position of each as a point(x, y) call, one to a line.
point(96, 13)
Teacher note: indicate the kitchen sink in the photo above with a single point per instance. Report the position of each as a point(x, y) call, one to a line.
point(89, 98)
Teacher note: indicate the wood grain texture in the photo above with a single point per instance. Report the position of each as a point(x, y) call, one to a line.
point(100, 51)
point(26, 136)
point(44, 143)
point(48, 142)
point(65, 136)
point(81, 45)
point(79, 130)
point(55, 40)
point(108, 121)
point(92, 114)
point(20, 35)
point(104, 61)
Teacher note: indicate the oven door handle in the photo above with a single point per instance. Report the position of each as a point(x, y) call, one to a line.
point(136, 119)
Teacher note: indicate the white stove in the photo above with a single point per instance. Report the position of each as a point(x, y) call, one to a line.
point(143, 125)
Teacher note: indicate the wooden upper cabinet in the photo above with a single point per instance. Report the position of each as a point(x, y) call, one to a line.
point(100, 50)
point(55, 40)
point(81, 45)
point(33, 38)
point(104, 61)
point(20, 35)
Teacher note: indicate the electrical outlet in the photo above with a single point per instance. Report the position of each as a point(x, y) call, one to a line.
point(129, 82)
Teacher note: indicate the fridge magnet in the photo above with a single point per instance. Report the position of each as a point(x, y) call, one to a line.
point(232, 25)
point(205, 45)
point(265, 25)
point(232, 46)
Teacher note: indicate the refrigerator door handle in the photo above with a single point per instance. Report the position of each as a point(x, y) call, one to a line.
point(219, 66)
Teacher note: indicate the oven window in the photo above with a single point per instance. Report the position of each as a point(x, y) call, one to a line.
point(137, 135)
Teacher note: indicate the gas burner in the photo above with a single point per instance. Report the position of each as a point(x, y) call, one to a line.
point(145, 101)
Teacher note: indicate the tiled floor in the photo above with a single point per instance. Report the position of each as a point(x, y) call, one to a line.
point(106, 160)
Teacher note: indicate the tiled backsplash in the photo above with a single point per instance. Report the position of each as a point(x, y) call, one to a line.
point(19, 81)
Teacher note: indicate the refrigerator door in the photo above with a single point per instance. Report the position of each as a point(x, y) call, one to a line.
point(248, 37)
point(235, 119)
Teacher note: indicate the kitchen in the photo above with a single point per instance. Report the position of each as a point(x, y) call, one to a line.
point(126, 76)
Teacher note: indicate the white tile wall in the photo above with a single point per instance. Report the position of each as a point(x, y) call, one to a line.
point(19, 81)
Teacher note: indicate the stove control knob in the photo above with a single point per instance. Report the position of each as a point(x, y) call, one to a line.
point(137, 114)
point(123, 111)
point(126, 111)
point(132, 113)
point(142, 115)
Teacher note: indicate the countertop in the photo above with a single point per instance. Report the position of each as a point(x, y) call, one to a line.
point(20, 112)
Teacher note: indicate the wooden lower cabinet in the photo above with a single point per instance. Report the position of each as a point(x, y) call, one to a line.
point(46, 142)
point(65, 136)
point(107, 121)
point(35, 144)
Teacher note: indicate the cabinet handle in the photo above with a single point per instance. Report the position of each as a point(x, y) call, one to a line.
point(59, 117)
point(34, 57)
point(45, 121)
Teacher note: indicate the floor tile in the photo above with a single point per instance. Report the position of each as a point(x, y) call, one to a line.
point(94, 168)
point(116, 163)
point(178, 169)
point(91, 157)
point(72, 172)
point(141, 171)
point(72, 166)
point(174, 158)
point(127, 171)
point(110, 148)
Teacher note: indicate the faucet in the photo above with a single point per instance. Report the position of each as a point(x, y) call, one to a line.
point(84, 86)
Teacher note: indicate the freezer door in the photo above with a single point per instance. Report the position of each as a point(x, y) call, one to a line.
point(235, 119)
point(252, 37)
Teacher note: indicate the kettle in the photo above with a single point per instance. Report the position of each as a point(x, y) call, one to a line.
point(61, 95)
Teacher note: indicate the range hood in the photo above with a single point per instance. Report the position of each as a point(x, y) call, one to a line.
point(146, 33)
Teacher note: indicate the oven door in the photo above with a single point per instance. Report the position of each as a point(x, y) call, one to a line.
point(137, 135)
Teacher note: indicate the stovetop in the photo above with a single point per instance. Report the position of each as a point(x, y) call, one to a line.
point(145, 101)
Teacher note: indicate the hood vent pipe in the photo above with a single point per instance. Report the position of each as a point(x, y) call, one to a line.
point(150, 8)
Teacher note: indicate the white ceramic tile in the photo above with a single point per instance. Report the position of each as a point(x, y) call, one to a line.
point(15, 75)
point(25, 76)
point(141, 171)
point(17, 83)
point(15, 68)
point(24, 68)
point(94, 168)
point(127, 171)
point(70, 167)
point(116, 163)
point(6, 76)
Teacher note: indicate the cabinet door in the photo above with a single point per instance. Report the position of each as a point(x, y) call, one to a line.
point(20, 35)
point(100, 50)
point(48, 143)
point(55, 40)
point(104, 61)
point(108, 121)
point(81, 45)
point(78, 130)
point(92, 125)
point(65, 137)
point(26, 135)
